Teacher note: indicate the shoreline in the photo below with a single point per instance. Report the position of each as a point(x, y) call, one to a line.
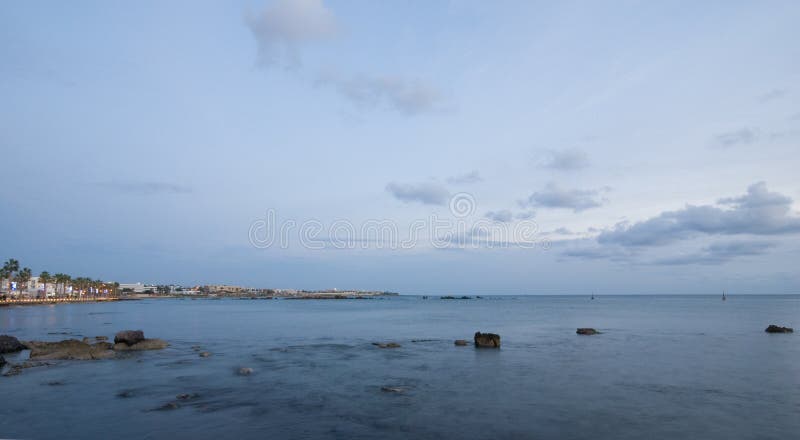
point(43, 301)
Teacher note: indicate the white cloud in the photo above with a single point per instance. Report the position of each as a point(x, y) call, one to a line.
point(428, 193)
point(285, 25)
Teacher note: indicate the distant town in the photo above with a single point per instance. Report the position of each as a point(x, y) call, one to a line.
point(18, 284)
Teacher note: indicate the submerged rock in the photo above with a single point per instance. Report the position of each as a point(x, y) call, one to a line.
point(168, 406)
point(204, 354)
point(2, 361)
point(186, 396)
point(129, 337)
point(145, 344)
point(487, 340)
point(70, 349)
point(778, 329)
point(10, 344)
point(386, 345)
point(18, 368)
point(387, 389)
point(245, 371)
point(587, 331)
point(461, 342)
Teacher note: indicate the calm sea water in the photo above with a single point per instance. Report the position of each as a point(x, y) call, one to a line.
point(664, 368)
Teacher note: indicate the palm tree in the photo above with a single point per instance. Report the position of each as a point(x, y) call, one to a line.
point(9, 268)
point(45, 278)
point(23, 277)
point(63, 279)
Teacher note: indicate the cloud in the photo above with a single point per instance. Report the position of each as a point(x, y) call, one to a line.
point(773, 95)
point(428, 193)
point(525, 215)
point(285, 25)
point(502, 216)
point(759, 212)
point(719, 253)
point(146, 188)
point(553, 196)
point(566, 160)
point(471, 177)
point(407, 96)
point(744, 136)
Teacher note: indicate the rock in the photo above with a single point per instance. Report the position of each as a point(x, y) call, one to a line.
point(10, 344)
point(461, 342)
point(386, 389)
point(2, 361)
point(386, 345)
point(125, 394)
point(145, 344)
point(196, 347)
point(168, 406)
point(101, 338)
point(186, 396)
point(18, 368)
point(587, 331)
point(55, 383)
point(13, 371)
point(70, 349)
point(778, 329)
point(204, 354)
point(129, 337)
point(487, 340)
point(245, 371)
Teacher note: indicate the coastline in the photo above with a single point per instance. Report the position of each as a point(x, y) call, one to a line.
point(53, 301)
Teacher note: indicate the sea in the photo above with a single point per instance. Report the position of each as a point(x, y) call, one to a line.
point(664, 367)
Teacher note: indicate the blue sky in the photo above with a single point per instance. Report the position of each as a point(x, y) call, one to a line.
point(655, 146)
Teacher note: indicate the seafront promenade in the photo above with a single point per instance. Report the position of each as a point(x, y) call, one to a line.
point(40, 301)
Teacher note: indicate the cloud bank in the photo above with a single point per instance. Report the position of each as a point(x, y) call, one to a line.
point(554, 196)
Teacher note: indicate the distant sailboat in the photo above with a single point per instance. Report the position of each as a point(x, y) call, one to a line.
point(724, 298)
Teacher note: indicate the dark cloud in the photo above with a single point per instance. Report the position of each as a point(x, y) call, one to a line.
point(146, 188)
point(429, 193)
point(470, 177)
point(553, 196)
point(744, 136)
point(566, 160)
point(407, 96)
point(503, 215)
point(759, 212)
point(719, 253)
point(285, 25)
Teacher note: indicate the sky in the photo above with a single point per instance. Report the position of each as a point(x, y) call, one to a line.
point(511, 147)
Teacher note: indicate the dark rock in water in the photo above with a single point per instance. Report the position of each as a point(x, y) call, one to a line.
point(125, 394)
point(101, 338)
point(10, 344)
point(461, 342)
point(145, 344)
point(18, 368)
point(168, 406)
point(55, 383)
point(386, 389)
point(129, 337)
point(778, 329)
point(204, 354)
point(587, 331)
point(70, 349)
point(13, 371)
point(487, 340)
point(386, 345)
point(186, 396)
point(2, 361)
point(245, 371)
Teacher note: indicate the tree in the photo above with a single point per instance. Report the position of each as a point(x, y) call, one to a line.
point(45, 278)
point(9, 268)
point(23, 276)
point(63, 279)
